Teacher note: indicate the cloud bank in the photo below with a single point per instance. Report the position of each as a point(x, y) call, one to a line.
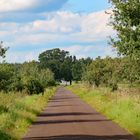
point(32, 26)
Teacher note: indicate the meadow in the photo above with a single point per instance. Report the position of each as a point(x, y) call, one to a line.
point(18, 111)
point(122, 106)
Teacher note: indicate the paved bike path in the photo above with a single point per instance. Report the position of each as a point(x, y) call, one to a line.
point(67, 117)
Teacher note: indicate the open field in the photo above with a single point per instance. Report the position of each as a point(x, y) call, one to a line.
point(18, 111)
point(122, 106)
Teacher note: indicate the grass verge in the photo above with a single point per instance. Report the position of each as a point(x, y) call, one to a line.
point(122, 108)
point(18, 111)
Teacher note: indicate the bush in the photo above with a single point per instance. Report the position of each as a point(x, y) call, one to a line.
point(6, 75)
point(113, 86)
point(34, 87)
point(27, 77)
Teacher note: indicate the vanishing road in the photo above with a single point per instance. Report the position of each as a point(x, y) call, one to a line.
point(67, 117)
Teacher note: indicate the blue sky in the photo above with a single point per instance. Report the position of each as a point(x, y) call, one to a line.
point(29, 27)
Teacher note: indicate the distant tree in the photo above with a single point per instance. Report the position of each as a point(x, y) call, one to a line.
point(66, 70)
point(77, 71)
point(63, 65)
point(6, 76)
point(53, 59)
point(2, 49)
point(94, 72)
point(104, 72)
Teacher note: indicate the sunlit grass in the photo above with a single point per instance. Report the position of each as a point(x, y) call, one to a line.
point(122, 108)
point(18, 111)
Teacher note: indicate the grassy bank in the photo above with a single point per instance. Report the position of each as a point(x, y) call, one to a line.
point(18, 111)
point(120, 106)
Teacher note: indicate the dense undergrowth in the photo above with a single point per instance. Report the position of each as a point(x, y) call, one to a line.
point(18, 111)
point(122, 106)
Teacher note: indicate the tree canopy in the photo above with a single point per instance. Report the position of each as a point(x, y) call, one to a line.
point(63, 65)
point(125, 19)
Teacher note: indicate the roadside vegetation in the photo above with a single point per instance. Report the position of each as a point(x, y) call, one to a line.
point(18, 111)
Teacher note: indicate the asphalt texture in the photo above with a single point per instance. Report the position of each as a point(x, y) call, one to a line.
point(67, 117)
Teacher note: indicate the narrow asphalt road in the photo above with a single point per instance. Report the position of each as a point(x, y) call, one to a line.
point(67, 117)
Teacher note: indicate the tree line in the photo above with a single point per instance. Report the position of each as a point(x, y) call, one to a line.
point(110, 72)
point(56, 65)
point(63, 65)
point(33, 77)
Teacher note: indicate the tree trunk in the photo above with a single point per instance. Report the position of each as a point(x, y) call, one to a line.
point(70, 82)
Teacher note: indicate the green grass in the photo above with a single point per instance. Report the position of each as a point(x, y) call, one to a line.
point(120, 107)
point(18, 111)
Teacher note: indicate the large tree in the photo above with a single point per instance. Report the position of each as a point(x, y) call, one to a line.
point(125, 20)
point(53, 60)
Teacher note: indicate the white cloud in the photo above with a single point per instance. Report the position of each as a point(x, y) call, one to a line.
point(30, 5)
point(61, 27)
point(15, 5)
point(17, 56)
point(59, 22)
point(82, 51)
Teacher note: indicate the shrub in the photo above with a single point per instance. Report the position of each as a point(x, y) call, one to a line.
point(34, 87)
point(113, 86)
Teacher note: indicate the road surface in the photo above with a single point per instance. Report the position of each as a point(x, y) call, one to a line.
point(67, 117)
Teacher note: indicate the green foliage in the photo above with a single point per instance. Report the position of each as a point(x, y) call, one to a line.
point(79, 67)
point(126, 21)
point(111, 71)
point(18, 111)
point(77, 71)
point(100, 71)
point(6, 74)
point(46, 78)
point(66, 69)
point(53, 59)
point(2, 49)
point(131, 70)
point(34, 87)
point(64, 66)
point(27, 77)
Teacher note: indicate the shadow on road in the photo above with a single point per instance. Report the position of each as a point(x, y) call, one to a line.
point(65, 114)
point(83, 137)
point(65, 121)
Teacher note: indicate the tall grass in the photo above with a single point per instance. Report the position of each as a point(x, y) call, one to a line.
point(18, 111)
point(123, 108)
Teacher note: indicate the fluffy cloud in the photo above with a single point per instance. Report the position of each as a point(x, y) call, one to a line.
point(60, 27)
point(15, 5)
point(30, 5)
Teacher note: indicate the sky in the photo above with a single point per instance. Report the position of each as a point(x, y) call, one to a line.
point(30, 27)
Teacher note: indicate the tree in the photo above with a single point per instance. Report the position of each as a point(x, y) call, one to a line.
point(66, 70)
point(77, 71)
point(6, 75)
point(105, 72)
point(94, 72)
point(3, 49)
point(53, 60)
point(126, 21)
